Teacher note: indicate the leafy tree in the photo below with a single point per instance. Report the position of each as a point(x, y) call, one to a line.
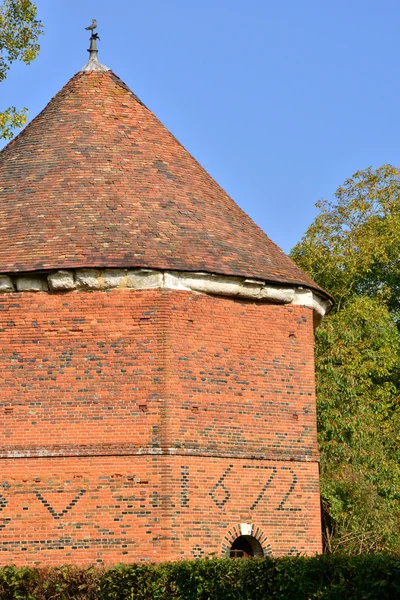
point(353, 246)
point(353, 250)
point(19, 34)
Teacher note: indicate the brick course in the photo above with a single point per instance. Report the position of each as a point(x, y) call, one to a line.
point(146, 425)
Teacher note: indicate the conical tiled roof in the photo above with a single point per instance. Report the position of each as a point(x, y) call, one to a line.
point(96, 180)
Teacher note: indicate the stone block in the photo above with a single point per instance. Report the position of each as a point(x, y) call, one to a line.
point(143, 280)
point(32, 283)
point(303, 297)
point(276, 294)
point(61, 280)
point(89, 279)
point(174, 280)
point(6, 284)
point(114, 278)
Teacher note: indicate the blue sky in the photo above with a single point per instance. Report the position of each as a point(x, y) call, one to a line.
point(279, 101)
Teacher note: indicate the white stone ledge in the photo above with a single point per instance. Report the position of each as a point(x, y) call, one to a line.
point(143, 279)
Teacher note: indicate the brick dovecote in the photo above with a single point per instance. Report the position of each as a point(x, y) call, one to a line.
point(156, 350)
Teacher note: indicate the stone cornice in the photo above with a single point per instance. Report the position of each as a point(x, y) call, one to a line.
point(143, 279)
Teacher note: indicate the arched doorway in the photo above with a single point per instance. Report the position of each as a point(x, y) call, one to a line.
point(246, 546)
point(246, 538)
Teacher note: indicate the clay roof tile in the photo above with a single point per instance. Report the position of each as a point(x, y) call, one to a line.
point(95, 180)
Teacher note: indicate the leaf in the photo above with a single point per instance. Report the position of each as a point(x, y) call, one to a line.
point(19, 34)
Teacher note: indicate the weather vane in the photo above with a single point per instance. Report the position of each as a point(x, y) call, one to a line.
point(91, 28)
point(93, 63)
point(93, 37)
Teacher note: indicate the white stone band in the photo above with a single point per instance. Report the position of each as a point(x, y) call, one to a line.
point(143, 279)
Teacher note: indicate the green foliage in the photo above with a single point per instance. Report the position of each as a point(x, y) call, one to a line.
point(128, 582)
point(352, 249)
point(329, 577)
point(353, 246)
point(338, 577)
point(19, 35)
point(11, 119)
point(217, 578)
point(18, 584)
point(68, 583)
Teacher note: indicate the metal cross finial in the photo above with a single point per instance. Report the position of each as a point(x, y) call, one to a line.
point(93, 63)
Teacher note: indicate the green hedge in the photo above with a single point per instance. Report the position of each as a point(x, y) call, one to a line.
point(333, 577)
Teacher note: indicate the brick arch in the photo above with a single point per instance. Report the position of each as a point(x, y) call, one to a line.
point(255, 531)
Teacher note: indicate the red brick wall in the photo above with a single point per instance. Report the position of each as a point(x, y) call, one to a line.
point(147, 425)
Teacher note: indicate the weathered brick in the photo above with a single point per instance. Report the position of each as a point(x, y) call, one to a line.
point(149, 424)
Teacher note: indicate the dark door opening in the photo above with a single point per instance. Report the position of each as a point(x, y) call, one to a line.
point(246, 546)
